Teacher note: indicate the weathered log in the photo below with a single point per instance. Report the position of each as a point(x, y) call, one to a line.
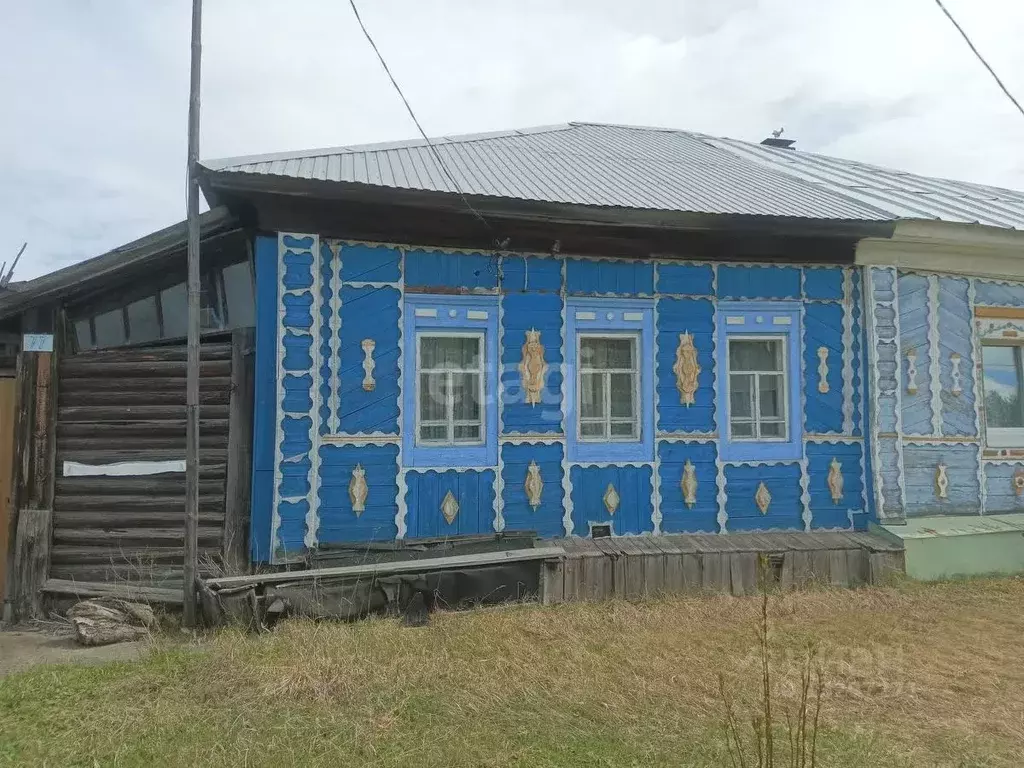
point(31, 562)
point(107, 620)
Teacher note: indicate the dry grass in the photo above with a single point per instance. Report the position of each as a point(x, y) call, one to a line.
point(915, 675)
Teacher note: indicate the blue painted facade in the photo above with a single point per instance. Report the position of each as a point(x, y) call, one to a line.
point(326, 406)
point(928, 448)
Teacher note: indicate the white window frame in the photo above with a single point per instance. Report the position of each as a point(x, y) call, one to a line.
point(451, 422)
point(634, 372)
point(756, 437)
point(1003, 437)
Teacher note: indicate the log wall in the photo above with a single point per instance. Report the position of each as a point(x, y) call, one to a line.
point(128, 405)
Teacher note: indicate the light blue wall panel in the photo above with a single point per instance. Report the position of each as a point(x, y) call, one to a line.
point(919, 465)
point(825, 513)
point(296, 436)
point(530, 273)
point(883, 282)
point(955, 338)
point(823, 283)
point(298, 310)
point(338, 522)
point(676, 316)
point(998, 295)
point(298, 269)
point(889, 470)
point(736, 282)
point(369, 313)
point(523, 312)
point(605, 278)
point(633, 484)
point(293, 477)
point(445, 269)
point(783, 483)
point(472, 489)
point(1001, 494)
point(913, 298)
point(546, 520)
point(686, 279)
point(823, 327)
point(363, 263)
point(676, 516)
point(265, 399)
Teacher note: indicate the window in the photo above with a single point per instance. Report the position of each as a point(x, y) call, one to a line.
point(610, 391)
point(757, 386)
point(609, 388)
point(1003, 374)
point(143, 320)
point(451, 389)
point(450, 371)
point(758, 404)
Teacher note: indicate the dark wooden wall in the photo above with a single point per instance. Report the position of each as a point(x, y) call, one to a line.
point(129, 405)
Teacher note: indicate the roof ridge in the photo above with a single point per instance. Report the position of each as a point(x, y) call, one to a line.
point(220, 163)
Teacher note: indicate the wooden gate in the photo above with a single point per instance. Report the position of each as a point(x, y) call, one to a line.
point(118, 507)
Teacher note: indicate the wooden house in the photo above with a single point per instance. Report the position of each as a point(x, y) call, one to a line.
point(594, 331)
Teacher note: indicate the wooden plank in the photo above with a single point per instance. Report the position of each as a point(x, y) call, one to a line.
point(838, 575)
point(884, 565)
point(597, 575)
point(820, 565)
point(82, 589)
point(857, 567)
point(744, 573)
point(211, 502)
point(634, 560)
point(786, 577)
point(207, 456)
point(130, 518)
point(382, 569)
point(692, 575)
point(31, 563)
point(654, 565)
point(68, 554)
point(209, 535)
point(237, 487)
point(117, 487)
point(80, 367)
point(98, 413)
point(209, 351)
point(70, 385)
point(802, 570)
point(8, 417)
point(551, 582)
point(714, 576)
point(42, 460)
point(672, 561)
point(128, 398)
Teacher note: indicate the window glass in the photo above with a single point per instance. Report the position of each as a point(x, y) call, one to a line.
point(83, 334)
point(174, 304)
point(110, 328)
point(608, 383)
point(1001, 366)
point(238, 293)
point(757, 389)
point(450, 399)
point(143, 323)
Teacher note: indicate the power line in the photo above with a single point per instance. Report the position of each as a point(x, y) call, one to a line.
point(980, 57)
point(408, 107)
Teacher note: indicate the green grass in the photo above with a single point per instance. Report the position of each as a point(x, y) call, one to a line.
point(915, 675)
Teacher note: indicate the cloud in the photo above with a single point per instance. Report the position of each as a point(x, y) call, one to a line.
point(92, 147)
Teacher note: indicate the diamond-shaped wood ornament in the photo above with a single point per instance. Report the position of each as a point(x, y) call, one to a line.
point(762, 498)
point(611, 499)
point(449, 508)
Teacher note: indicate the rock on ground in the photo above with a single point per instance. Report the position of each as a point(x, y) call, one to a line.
point(106, 620)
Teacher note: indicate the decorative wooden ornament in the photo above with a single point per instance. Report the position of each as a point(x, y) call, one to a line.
point(958, 387)
point(686, 369)
point(611, 499)
point(763, 498)
point(835, 480)
point(911, 371)
point(941, 482)
point(358, 490)
point(823, 370)
point(449, 508)
point(1018, 482)
point(533, 486)
point(689, 484)
point(368, 364)
point(532, 367)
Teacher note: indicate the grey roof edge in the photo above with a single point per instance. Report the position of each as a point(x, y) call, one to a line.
point(220, 163)
point(54, 284)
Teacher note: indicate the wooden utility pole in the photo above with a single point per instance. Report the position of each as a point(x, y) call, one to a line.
point(192, 375)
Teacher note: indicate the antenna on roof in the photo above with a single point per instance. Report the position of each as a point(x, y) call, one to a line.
point(777, 141)
point(5, 277)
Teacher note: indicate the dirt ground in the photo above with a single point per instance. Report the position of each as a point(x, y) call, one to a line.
point(25, 646)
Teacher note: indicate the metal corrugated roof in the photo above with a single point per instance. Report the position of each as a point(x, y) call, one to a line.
point(646, 168)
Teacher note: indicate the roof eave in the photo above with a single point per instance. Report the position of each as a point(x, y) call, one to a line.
point(218, 184)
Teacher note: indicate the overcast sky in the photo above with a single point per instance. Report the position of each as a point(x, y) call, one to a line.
point(95, 92)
